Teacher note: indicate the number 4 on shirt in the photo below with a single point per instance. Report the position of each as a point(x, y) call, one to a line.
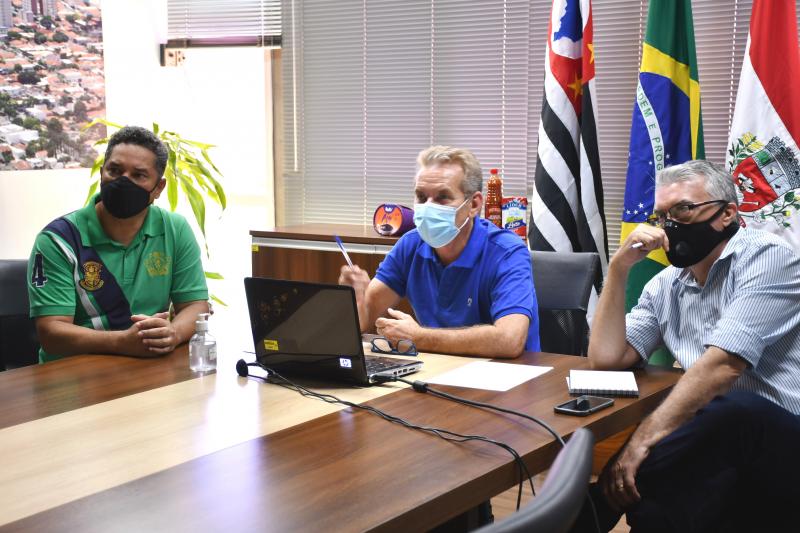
point(38, 279)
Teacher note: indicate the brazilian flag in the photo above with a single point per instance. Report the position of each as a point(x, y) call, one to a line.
point(666, 128)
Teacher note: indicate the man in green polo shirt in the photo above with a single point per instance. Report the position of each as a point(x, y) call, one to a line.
point(101, 279)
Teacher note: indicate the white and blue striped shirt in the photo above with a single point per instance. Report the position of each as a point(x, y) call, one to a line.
point(749, 306)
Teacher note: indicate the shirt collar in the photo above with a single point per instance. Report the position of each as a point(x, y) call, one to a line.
point(731, 246)
point(91, 230)
point(472, 251)
point(153, 223)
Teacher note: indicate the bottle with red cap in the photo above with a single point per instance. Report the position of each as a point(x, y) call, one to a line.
point(493, 211)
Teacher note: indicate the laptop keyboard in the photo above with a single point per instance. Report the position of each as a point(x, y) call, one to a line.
point(379, 364)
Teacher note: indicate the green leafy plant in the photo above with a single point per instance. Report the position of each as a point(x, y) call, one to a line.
point(189, 168)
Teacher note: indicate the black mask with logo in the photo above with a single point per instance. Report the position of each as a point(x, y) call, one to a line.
point(691, 243)
point(122, 198)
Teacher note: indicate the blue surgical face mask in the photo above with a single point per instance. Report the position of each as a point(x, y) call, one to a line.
point(436, 223)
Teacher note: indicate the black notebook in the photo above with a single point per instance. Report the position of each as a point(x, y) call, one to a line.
point(602, 382)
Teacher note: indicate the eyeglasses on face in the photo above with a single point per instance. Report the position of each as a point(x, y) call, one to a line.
point(680, 212)
point(401, 347)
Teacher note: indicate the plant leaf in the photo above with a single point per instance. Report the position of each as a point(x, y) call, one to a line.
point(172, 188)
point(187, 167)
point(204, 177)
point(213, 275)
point(98, 163)
point(172, 178)
point(220, 302)
point(223, 201)
point(204, 183)
point(102, 121)
point(92, 190)
point(208, 160)
point(198, 166)
point(155, 128)
point(196, 201)
point(202, 146)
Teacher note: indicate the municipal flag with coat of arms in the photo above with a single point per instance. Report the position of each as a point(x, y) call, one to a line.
point(763, 154)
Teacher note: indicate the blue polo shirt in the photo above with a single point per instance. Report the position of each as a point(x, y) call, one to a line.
point(491, 278)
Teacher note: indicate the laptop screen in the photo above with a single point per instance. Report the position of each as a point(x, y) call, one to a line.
point(291, 317)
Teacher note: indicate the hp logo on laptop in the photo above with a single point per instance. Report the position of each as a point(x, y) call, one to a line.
point(344, 362)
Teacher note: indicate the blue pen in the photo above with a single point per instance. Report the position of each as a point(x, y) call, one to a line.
point(344, 252)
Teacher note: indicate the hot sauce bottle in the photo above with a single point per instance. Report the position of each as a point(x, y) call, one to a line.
point(494, 196)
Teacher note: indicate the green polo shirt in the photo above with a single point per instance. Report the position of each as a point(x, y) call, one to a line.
point(76, 270)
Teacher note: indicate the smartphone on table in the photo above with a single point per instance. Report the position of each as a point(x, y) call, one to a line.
point(583, 405)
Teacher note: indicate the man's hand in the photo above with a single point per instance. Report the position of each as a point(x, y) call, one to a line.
point(128, 342)
point(641, 241)
point(156, 332)
point(357, 278)
point(618, 479)
point(148, 336)
point(400, 326)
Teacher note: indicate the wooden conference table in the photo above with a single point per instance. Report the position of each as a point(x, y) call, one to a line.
point(99, 443)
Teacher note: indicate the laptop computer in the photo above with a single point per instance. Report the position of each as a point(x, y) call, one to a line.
point(311, 329)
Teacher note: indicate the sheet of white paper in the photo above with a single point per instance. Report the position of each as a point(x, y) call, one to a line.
point(489, 376)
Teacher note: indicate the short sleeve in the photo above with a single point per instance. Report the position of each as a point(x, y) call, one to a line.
point(763, 304)
point(51, 280)
point(393, 270)
point(642, 329)
point(188, 278)
point(512, 291)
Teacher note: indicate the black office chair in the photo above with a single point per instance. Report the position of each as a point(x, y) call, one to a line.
point(561, 498)
point(19, 345)
point(563, 283)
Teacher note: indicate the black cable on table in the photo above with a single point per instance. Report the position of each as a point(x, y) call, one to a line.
point(451, 436)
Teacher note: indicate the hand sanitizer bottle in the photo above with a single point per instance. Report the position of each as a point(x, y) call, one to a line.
point(202, 347)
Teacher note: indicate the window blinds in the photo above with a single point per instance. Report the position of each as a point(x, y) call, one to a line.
point(369, 84)
point(362, 99)
point(223, 22)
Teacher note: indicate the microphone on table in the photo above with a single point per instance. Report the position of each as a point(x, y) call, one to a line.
point(242, 370)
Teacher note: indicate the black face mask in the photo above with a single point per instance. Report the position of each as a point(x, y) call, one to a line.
point(691, 243)
point(123, 198)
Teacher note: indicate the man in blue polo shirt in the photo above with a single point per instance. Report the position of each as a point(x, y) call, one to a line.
point(469, 282)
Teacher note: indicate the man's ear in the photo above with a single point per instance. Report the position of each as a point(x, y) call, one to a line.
point(476, 204)
point(159, 188)
point(730, 214)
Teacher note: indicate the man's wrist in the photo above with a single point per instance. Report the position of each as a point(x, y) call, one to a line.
point(618, 266)
point(646, 436)
point(420, 338)
point(116, 341)
point(182, 329)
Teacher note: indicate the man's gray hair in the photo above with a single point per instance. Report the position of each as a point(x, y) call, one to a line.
point(473, 175)
point(718, 182)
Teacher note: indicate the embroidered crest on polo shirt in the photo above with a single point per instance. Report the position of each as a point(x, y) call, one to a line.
point(91, 276)
point(157, 264)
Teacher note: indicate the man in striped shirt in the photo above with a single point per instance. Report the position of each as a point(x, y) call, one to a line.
point(723, 450)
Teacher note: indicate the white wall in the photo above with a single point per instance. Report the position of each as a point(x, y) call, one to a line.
point(220, 96)
point(29, 199)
